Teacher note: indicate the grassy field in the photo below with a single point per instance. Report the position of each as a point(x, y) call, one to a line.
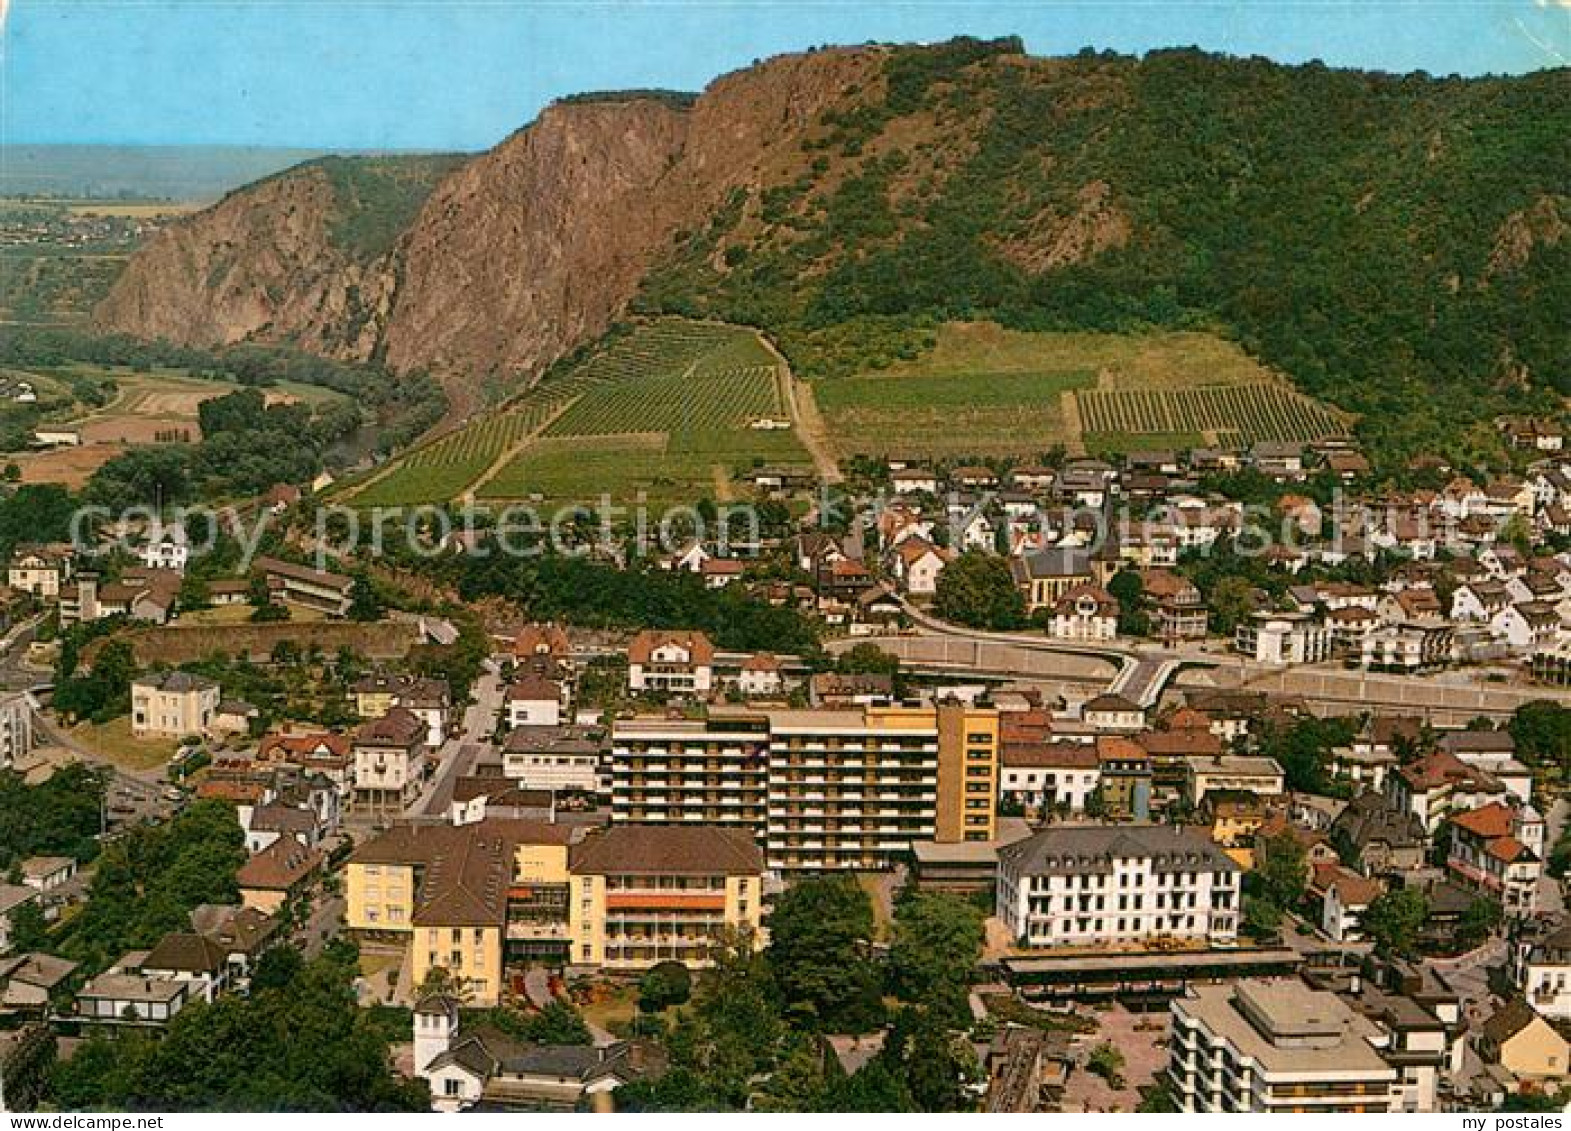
point(661, 411)
point(985, 390)
point(113, 740)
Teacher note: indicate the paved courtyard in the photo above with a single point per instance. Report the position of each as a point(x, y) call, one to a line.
point(1141, 1037)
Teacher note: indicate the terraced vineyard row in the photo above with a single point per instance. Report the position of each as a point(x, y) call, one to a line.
point(693, 401)
point(1253, 412)
point(699, 383)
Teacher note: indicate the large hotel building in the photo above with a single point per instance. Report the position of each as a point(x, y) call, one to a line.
point(822, 790)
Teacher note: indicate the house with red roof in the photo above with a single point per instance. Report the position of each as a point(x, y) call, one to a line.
point(1497, 851)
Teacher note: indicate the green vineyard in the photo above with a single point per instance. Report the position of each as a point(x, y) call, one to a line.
point(656, 409)
point(1244, 413)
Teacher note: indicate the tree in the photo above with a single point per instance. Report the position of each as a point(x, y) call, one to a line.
point(29, 928)
point(557, 1024)
point(1394, 919)
point(1230, 601)
point(1107, 1062)
point(1133, 619)
point(938, 940)
point(1282, 868)
point(936, 1065)
point(364, 602)
point(276, 968)
point(1542, 731)
point(1262, 917)
point(666, 984)
point(978, 590)
point(1482, 919)
point(867, 658)
point(820, 952)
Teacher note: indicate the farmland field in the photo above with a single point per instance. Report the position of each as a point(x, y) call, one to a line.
point(1261, 410)
point(987, 391)
point(661, 410)
point(155, 406)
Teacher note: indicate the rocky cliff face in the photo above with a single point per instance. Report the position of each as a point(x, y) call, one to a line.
point(258, 265)
point(520, 255)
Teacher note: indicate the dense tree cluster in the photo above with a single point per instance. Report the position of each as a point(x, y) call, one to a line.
point(149, 879)
point(754, 1035)
point(60, 816)
point(299, 1042)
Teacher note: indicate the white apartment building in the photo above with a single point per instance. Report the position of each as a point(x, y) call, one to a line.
point(16, 727)
point(679, 663)
point(558, 758)
point(1279, 1046)
point(1047, 776)
point(1284, 638)
point(1110, 885)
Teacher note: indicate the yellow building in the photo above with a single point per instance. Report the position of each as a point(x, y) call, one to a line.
point(474, 899)
point(643, 894)
point(463, 898)
point(1524, 1044)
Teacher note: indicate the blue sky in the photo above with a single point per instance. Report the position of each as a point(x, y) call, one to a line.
point(459, 74)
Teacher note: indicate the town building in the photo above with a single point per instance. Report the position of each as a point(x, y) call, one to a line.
point(1497, 850)
point(555, 758)
point(676, 663)
point(389, 761)
point(1044, 778)
point(645, 894)
point(16, 727)
point(1117, 885)
point(1279, 1046)
point(175, 704)
point(319, 590)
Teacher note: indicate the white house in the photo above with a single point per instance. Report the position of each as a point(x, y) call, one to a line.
point(534, 701)
point(166, 548)
point(1086, 612)
point(681, 663)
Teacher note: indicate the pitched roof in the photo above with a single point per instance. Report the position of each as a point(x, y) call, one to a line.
point(1048, 755)
point(399, 727)
point(668, 850)
point(1352, 889)
point(1488, 821)
point(186, 952)
point(279, 866)
point(646, 643)
point(1076, 849)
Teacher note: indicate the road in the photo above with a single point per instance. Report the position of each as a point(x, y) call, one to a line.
point(478, 725)
point(1145, 670)
point(1551, 895)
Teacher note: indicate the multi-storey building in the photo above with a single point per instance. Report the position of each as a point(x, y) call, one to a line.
point(40, 570)
point(677, 663)
point(1284, 638)
point(16, 727)
point(389, 760)
point(823, 789)
point(474, 899)
point(308, 588)
point(1541, 967)
point(1113, 885)
point(646, 894)
point(1259, 1046)
point(707, 771)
